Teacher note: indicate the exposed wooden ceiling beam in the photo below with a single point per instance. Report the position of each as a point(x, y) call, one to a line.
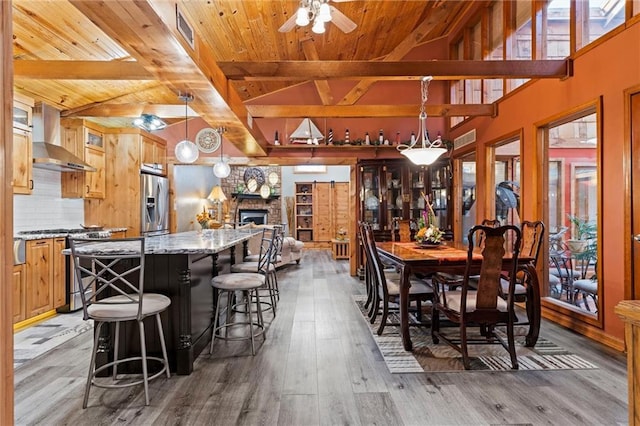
point(368, 111)
point(80, 70)
point(132, 110)
point(438, 12)
point(153, 40)
point(440, 70)
point(322, 86)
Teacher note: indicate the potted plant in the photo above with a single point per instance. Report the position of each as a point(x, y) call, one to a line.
point(584, 234)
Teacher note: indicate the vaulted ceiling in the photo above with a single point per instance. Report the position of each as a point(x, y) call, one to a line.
point(110, 61)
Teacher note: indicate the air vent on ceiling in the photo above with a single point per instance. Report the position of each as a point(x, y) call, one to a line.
point(466, 139)
point(185, 29)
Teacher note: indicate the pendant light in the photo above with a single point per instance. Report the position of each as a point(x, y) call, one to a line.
point(221, 169)
point(429, 151)
point(186, 151)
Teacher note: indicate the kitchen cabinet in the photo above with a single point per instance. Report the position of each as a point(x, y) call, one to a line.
point(39, 277)
point(153, 154)
point(59, 273)
point(19, 293)
point(22, 145)
point(321, 209)
point(85, 140)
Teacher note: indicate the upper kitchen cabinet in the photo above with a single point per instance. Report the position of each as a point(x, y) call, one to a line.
point(85, 140)
point(22, 145)
point(153, 153)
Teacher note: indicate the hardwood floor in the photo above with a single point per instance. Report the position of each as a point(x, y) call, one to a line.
point(320, 365)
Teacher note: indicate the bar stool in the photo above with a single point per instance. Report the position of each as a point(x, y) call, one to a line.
point(116, 266)
point(248, 283)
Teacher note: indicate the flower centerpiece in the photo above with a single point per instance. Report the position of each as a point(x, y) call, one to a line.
point(428, 233)
point(205, 219)
point(342, 234)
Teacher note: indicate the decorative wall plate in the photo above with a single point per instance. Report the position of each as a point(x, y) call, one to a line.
point(256, 174)
point(252, 185)
point(208, 140)
point(265, 191)
point(273, 178)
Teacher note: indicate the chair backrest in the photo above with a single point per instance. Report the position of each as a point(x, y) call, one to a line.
point(493, 223)
point(100, 273)
point(373, 259)
point(532, 235)
point(268, 249)
point(488, 281)
point(401, 230)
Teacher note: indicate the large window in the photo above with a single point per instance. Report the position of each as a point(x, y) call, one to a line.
point(493, 88)
point(507, 182)
point(572, 153)
point(598, 17)
point(555, 19)
point(468, 210)
point(521, 39)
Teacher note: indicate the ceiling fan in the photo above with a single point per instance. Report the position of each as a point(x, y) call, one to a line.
point(319, 12)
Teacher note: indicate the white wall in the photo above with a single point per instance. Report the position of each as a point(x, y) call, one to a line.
point(44, 208)
point(289, 178)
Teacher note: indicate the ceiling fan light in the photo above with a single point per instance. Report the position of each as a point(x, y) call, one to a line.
point(186, 151)
point(325, 12)
point(318, 26)
point(302, 17)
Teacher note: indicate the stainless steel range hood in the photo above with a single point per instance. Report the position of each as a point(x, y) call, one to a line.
point(47, 152)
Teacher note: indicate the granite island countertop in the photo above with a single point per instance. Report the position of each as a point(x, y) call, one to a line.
point(209, 241)
point(58, 233)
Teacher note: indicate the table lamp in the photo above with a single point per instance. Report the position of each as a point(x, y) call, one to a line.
point(217, 196)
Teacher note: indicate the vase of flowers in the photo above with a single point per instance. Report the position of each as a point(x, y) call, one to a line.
point(428, 233)
point(205, 219)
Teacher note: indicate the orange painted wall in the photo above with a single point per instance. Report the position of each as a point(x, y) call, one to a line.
point(604, 71)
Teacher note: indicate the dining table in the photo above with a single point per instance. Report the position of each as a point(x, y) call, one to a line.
point(451, 257)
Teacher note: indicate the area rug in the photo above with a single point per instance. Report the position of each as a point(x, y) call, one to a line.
point(44, 336)
point(429, 357)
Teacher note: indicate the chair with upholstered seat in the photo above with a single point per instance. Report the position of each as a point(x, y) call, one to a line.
point(112, 291)
point(387, 285)
point(482, 307)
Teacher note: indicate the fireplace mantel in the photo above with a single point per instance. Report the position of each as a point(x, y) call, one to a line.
point(256, 197)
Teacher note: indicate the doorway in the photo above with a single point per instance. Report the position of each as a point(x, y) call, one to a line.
point(634, 125)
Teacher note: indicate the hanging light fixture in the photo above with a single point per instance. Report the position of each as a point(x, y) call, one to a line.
point(316, 10)
point(186, 151)
point(429, 151)
point(221, 169)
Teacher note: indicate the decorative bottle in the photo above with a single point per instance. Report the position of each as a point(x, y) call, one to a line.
point(413, 138)
point(367, 140)
point(397, 138)
point(380, 137)
point(276, 141)
point(346, 137)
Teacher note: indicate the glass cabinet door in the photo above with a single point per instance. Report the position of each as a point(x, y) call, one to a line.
point(418, 188)
point(439, 185)
point(370, 196)
point(393, 195)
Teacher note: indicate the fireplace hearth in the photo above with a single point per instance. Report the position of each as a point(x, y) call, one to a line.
point(257, 216)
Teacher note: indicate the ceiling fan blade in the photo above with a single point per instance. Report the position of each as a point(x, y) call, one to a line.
point(288, 25)
point(342, 21)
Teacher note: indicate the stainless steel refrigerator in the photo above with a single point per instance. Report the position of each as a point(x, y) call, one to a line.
point(155, 204)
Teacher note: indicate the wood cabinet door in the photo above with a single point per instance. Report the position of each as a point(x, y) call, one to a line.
point(95, 182)
point(147, 150)
point(59, 273)
point(22, 161)
point(39, 286)
point(322, 213)
point(160, 155)
point(18, 293)
point(71, 137)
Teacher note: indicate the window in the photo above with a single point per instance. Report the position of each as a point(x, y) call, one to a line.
point(599, 17)
point(556, 30)
point(572, 153)
point(520, 40)
point(468, 210)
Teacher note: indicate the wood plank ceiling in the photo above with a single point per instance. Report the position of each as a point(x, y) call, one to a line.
point(110, 61)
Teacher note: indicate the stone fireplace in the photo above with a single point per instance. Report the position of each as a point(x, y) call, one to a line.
point(234, 186)
point(257, 216)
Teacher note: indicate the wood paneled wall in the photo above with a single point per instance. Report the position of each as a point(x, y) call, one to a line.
point(6, 223)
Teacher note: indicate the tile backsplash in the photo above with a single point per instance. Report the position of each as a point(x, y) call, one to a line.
point(45, 208)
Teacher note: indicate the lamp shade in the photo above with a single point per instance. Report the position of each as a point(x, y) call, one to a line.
point(186, 151)
point(221, 169)
point(217, 194)
point(423, 156)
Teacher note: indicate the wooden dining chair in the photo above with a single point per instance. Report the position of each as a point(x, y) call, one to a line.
point(387, 286)
point(482, 307)
point(531, 243)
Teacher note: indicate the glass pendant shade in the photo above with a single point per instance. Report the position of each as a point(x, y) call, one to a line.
point(221, 169)
point(423, 156)
point(318, 26)
point(302, 17)
point(186, 151)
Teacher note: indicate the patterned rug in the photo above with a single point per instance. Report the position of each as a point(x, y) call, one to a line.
point(44, 336)
point(429, 357)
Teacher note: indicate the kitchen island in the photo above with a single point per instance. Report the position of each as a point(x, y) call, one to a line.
point(179, 266)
